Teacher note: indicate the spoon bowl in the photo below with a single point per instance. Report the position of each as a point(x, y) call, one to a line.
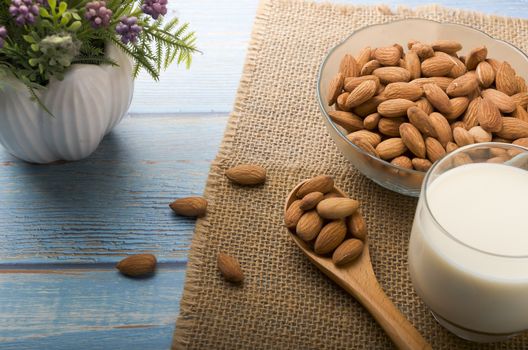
point(358, 279)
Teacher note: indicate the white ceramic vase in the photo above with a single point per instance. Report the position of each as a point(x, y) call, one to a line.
point(86, 105)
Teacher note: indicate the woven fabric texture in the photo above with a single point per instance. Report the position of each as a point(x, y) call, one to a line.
point(285, 302)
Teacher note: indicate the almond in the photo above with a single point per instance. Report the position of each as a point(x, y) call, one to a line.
point(341, 101)
point(337, 208)
point(412, 138)
point(321, 183)
point(349, 121)
point(505, 103)
point(402, 162)
point(370, 106)
point(364, 145)
point(463, 85)
point(347, 252)
point(451, 146)
point(395, 108)
point(485, 74)
point(421, 164)
point(370, 67)
point(400, 49)
point(495, 64)
point(357, 226)
point(462, 137)
point(458, 69)
point(441, 127)
point(480, 135)
point(457, 124)
point(310, 200)
point(442, 82)
point(458, 106)
point(520, 113)
point(137, 265)
point(461, 159)
point(390, 126)
point(425, 105)
point(521, 99)
point(247, 174)
point(521, 142)
point(471, 116)
point(353, 82)
point(391, 148)
point(413, 65)
point(309, 225)
point(521, 84)
point(406, 91)
point(437, 97)
point(447, 46)
point(229, 268)
point(489, 116)
point(335, 88)
point(513, 128)
point(423, 51)
point(421, 121)
point(505, 79)
point(388, 56)
point(348, 66)
point(389, 75)
point(371, 121)
point(293, 214)
point(330, 237)
point(361, 94)
point(435, 151)
point(363, 57)
point(476, 56)
point(190, 206)
point(437, 66)
point(371, 137)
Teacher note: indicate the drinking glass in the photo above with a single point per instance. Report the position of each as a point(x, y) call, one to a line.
point(478, 294)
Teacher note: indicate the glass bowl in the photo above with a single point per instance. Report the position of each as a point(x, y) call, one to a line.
point(395, 178)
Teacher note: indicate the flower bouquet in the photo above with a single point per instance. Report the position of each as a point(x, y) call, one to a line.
point(67, 69)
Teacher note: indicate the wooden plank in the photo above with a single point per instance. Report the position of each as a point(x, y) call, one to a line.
point(53, 308)
point(113, 203)
point(223, 29)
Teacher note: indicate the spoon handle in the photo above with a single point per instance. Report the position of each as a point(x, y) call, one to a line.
point(397, 327)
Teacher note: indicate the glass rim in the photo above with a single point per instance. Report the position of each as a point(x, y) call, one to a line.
point(427, 178)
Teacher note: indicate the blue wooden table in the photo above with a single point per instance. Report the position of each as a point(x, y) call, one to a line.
point(64, 226)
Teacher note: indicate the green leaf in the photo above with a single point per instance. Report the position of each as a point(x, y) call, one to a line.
point(75, 26)
point(29, 39)
point(33, 62)
point(64, 21)
point(35, 47)
point(44, 12)
point(75, 15)
point(52, 4)
point(62, 7)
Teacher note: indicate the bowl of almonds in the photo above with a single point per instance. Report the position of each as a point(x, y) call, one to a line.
point(399, 96)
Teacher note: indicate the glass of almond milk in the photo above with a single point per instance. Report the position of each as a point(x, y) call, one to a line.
point(468, 252)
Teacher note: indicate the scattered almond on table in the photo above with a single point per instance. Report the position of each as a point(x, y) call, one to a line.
point(230, 268)
point(330, 223)
point(190, 206)
point(411, 108)
point(137, 265)
point(247, 174)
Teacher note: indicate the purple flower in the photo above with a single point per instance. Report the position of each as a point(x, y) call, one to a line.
point(155, 8)
point(24, 11)
point(97, 14)
point(3, 36)
point(128, 29)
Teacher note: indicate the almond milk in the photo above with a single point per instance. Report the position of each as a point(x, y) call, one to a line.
point(468, 254)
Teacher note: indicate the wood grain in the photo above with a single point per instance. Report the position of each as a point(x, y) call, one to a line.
point(115, 202)
point(223, 30)
point(50, 307)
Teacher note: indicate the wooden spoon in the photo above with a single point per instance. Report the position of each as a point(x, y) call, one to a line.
point(358, 279)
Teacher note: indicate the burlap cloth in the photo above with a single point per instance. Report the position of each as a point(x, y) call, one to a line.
point(285, 302)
